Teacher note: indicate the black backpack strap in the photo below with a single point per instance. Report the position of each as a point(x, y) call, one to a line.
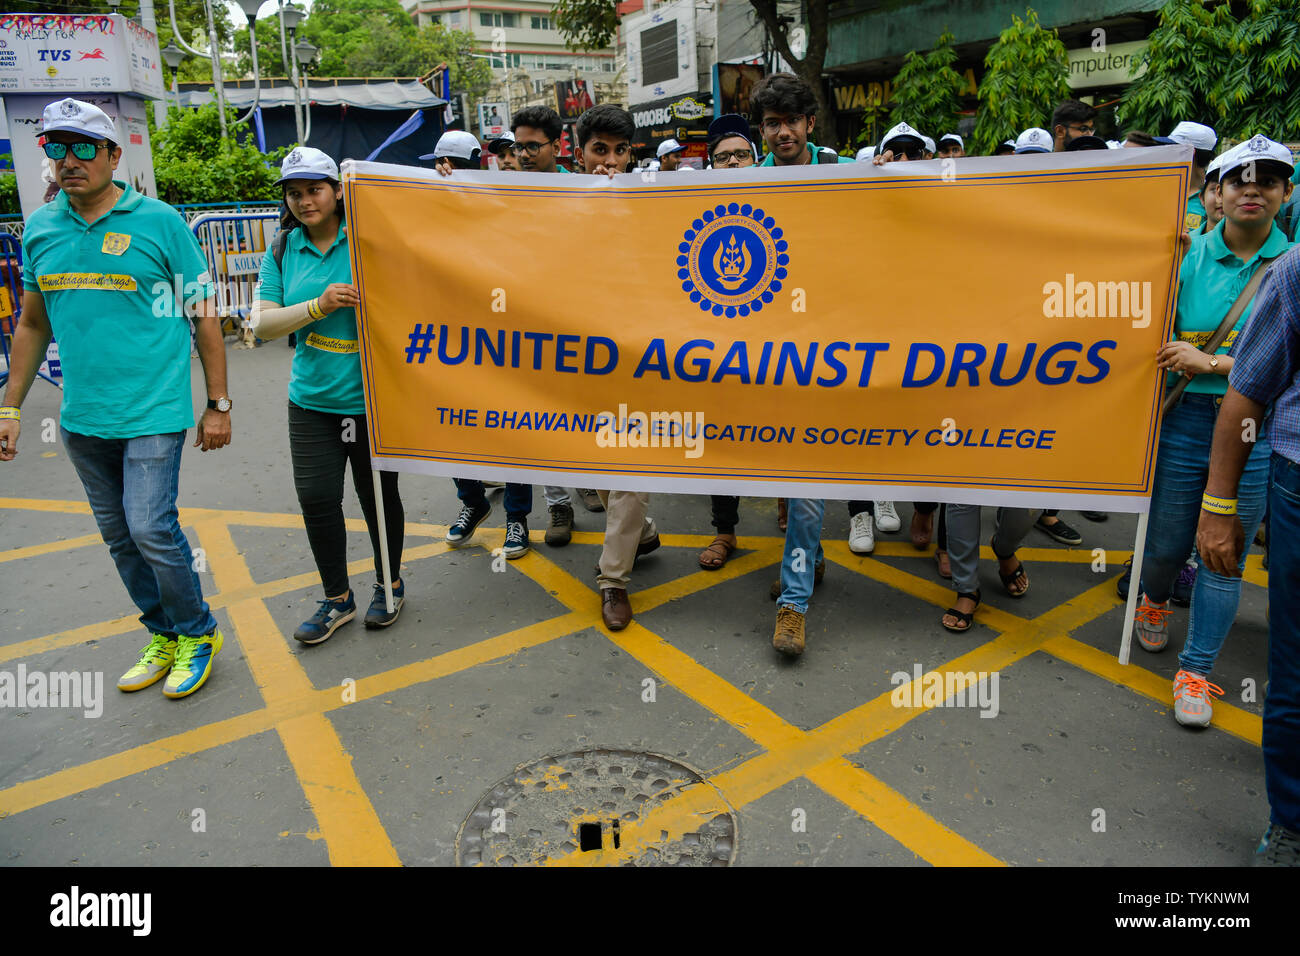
point(278, 245)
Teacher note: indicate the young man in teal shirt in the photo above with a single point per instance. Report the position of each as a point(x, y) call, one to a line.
point(111, 274)
point(785, 110)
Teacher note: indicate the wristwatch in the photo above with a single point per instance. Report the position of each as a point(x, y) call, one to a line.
point(1214, 363)
point(221, 404)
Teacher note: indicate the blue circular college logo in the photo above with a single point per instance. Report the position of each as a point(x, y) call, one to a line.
point(732, 260)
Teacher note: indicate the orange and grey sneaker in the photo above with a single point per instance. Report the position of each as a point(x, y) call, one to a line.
point(155, 661)
point(193, 664)
point(1152, 624)
point(789, 636)
point(1192, 693)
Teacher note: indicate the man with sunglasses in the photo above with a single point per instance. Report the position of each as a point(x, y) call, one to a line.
point(113, 274)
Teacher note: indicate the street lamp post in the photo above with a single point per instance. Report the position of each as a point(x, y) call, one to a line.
point(290, 17)
point(250, 8)
point(306, 54)
point(213, 54)
point(173, 55)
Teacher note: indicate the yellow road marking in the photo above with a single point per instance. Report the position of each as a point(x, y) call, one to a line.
point(1230, 719)
point(102, 629)
point(818, 755)
point(53, 547)
point(344, 814)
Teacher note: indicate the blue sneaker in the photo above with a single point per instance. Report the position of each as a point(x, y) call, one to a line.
point(193, 663)
point(516, 544)
point(466, 523)
point(1279, 847)
point(329, 617)
point(1184, 585)
point(377, 614)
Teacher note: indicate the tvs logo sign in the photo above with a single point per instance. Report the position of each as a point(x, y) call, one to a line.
point(52, 56)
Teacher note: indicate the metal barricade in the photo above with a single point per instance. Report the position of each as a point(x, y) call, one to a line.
point(233, 245)
point(11, 309)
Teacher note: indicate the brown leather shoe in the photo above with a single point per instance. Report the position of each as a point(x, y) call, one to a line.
point(615, 608)
point(788, 639)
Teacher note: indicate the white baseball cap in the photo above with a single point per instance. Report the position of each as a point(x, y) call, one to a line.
point(901, 130)
point(499, 144)
point(307, 162)
point(668, 146)
point(1114, 144)
point(956, 138)
point(75, 116)
point(1034, 140)
point(865, 154)
point(457, 143)
point(1256, 149)
point(1195, 135)
point(1212, 170)
point(929, 144)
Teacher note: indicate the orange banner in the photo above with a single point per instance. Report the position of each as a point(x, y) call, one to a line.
point(979, 330)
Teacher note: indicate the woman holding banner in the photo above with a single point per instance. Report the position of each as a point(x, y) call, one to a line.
point(1216, 292)
point(309, 266)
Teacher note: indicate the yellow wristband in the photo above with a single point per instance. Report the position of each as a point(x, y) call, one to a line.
point(1218, 506)
point(313, 309)
point(10, 412)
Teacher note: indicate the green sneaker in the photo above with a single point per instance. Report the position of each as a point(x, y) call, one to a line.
point(155, 661)
point(193, 664)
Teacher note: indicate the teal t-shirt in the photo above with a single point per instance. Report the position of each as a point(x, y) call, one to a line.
point(770, 158)
point(1195, 214)
point(1210, 280)
point(115, 292)
point(326, 375)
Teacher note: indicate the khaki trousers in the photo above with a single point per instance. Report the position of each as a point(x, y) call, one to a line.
point(626, 526)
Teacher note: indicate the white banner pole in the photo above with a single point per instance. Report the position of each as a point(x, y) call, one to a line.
point(1134, 586)
point(383, 541)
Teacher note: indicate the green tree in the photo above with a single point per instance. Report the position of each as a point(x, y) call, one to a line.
point(1240, 76)
point(191, 165)
point(1026, 74)
point(927, 90)
point(193, 26)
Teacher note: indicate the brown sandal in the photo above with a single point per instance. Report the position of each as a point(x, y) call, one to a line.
point(718, 552)
point(943, 565)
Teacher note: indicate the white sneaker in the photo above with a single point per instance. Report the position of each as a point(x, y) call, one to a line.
point(886, 517)
point(861, 538)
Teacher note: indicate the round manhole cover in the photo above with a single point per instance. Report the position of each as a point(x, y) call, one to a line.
point(579, 802)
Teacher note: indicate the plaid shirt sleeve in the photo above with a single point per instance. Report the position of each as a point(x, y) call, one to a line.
point(1266, 358)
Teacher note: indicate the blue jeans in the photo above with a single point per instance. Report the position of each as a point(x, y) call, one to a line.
point(803, 552)
point(519, 498)
point(131, 485)
point(1182, 468)
point(1282, 705)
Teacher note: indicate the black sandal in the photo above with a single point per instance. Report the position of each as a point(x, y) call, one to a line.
point(962, 616)
point(1008, 578)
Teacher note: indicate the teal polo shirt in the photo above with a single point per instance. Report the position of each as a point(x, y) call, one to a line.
point(770, 158)
point(114, 292)
point(1195, 214)
point(326, 374)
point(1210, 280)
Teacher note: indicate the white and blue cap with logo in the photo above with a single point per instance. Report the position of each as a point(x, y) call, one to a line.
point(955, 137)
point(499, 144)
point(668, 146)
point(902, 130)
point(307, 162)
point(1195, 135)
point(1256, 149)
point(75, 116)
point(1034, 140)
